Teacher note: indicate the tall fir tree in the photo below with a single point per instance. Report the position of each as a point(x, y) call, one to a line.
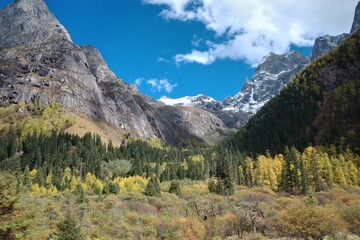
point(153, 187)
point(228, 175)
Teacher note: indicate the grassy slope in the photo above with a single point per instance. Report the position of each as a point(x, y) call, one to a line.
point(27, 118)
point(84, 125)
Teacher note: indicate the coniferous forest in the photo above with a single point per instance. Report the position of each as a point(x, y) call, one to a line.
point(63, 186)
point(292, 172)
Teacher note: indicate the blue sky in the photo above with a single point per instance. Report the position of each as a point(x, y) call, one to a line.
point(175, 48)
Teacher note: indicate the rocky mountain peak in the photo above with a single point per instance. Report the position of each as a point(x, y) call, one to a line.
point(30, 5)
point(270, 77)
point(39, 62)
point(356, 23)
point(29, 22)
point(324, 44)
point(275, 63)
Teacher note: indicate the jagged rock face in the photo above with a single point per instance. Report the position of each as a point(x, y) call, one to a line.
point(326, 43)
point(29, 22)
point(39, 62)
point(270, 77)
point(356, 23)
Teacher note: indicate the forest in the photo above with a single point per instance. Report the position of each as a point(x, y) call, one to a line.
point(55, 185)
point(320, 106)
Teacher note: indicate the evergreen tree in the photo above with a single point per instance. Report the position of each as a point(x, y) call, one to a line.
point(11, 143)
point(228, 180)
point(249, 172)
point(220, 187)
point(114, 188)
point(304, 184)
point(212, 185)
point(286, 183)
point(26, 179)
point(175, 188)
point(241, 178)
point(80, 192)
point(153, 187)
point(69, 229)
point(12, 226)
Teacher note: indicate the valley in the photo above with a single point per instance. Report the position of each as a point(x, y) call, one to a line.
point(85, 155)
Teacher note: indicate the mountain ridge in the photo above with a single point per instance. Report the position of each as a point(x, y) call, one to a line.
point(40, 63)
point(320, 106)
point(272, 74)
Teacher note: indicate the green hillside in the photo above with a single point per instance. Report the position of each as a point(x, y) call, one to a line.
point(321, 106)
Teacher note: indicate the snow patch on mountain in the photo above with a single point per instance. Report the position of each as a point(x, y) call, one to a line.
point(270, 77)
point(188, 101)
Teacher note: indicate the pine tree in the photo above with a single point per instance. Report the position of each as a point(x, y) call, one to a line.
point(228, 180)
point(249, 172)
point(304, 184)
point(69, 229)
point(153, 187)
point(220, 187)
point(295, 168)
point(212, 185)
point(80, 193)
point(11, 143)
point(286, 181)
point(175, 188)
point(26, 179)
point(241, 178)
point(328, 173)
point(12, 226)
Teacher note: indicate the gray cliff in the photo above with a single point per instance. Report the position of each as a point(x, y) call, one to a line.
point(356, 22)
point(39, 62)
point(270, 77)
point(325, 44)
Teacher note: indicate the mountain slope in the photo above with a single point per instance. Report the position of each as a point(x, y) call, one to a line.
point(231, 119)
point(320, 106)
point(270, 77)
point(40, 63)
point(356, 22)
point(324, 44)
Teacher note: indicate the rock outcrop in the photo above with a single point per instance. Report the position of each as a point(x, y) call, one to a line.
point(356, 22)
point(270, 77)
point(326, 43)
point(40, 63)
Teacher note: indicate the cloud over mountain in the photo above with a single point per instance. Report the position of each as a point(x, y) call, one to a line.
point(248, 30)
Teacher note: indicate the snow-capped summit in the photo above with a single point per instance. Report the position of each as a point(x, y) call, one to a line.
point(324, 44)
point(190, 101)
point(270, 77)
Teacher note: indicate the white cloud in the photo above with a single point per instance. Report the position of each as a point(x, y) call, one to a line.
point(159, 85)
point(196, 56)
point(254, 28)
point(139, 81)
